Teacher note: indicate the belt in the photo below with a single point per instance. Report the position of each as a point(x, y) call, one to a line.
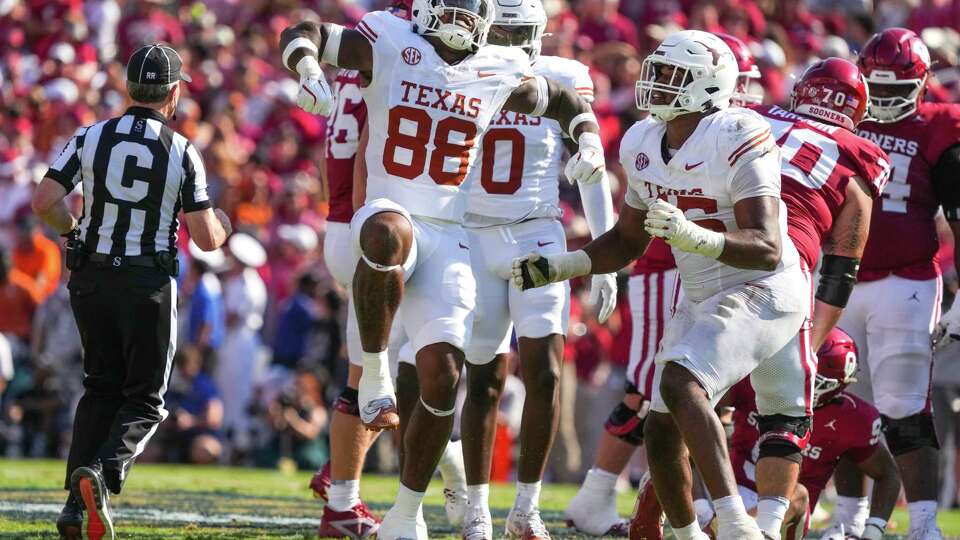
point(148, 261)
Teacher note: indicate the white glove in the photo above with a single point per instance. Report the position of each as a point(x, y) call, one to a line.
point(950, 323)
point(315, 95)
point(603, 292)
point(666, 221)
point(535, 270)
point(588, 164)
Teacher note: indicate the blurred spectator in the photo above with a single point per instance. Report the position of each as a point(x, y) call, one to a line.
point(297, 416)
point(602, 22)
point(206, 316)
point(298, 317)
point(36, 255)
point(196, 410)
point(18, 300)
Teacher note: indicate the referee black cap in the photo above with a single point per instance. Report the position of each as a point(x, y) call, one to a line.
point(156, 64)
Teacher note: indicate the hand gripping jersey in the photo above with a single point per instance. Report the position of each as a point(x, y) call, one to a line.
point(343, 138)
point(816, 163)
point(903, 237)
point(425, 116)
point(847, 426)
point(702, 180)
point(519, 167)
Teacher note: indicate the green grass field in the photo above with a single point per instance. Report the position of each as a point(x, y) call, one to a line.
point(165, 501)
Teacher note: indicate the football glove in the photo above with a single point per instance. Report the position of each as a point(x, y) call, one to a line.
point(603, 295)
point(666, 221)
point(314, 95)
point(588, 164)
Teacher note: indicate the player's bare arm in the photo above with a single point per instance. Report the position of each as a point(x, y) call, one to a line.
point(757, 244)
point(882, 468)
point(48, 203)
point(842, 250)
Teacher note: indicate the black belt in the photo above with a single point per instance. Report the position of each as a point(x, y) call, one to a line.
point(144, 261)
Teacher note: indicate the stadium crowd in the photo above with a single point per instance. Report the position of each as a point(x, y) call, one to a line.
point(261, 354)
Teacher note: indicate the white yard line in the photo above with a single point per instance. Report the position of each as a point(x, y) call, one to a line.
point(166, 516)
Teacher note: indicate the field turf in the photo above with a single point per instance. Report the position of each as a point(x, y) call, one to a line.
point(189, 502)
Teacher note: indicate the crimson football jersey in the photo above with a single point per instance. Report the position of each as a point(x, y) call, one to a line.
point(343, 138)
point(903, 237)
point(817, 161)
point(846, 426)
point(657, 258)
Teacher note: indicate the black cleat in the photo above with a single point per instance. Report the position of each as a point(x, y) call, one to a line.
point(70, 522)
point(89, 489)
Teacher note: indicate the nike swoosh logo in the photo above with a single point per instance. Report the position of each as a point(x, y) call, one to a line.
point(541, 244)
point(485, 74)
point(463, 246)
point(690, 167)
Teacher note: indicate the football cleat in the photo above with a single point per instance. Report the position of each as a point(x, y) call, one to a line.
point(358, 523)
point(647, 520)
point(930, 531)
point(477, 524)
point(320, 482)
point(455, 503)
point(744, 529)
point(526, 525)
point(596, 514)
point(70, 521)
point(87, 486)
point(397, 527)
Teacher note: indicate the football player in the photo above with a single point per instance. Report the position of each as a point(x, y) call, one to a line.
point(653, 293)
point(896, 304)
point(433, 88)
point(513, 207)
point(742, 305)
point(843, 426)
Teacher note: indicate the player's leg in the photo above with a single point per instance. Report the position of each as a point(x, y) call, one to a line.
point(901, 358)
point(384, 236)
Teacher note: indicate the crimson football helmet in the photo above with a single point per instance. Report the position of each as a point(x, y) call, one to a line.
point(749, 72)
point(895, 57)
point(833, 91)
point(836, 368)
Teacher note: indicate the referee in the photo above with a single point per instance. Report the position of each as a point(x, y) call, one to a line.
point(137, 174)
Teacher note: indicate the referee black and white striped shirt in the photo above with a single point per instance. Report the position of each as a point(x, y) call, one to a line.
point(136, 174)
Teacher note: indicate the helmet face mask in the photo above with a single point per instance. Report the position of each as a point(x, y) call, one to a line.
point(896, 64)
point(893, 101)
point(461, 25)
point(746, 92)
point(519, 24)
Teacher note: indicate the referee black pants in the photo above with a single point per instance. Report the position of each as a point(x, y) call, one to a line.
point(127, 319)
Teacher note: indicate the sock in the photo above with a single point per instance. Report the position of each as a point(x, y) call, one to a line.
point(377, 363)
point(704, 511)
point(770, 512)
point(730, 509)
point(921, 513)
point(600, 481)
point(852, 513)
point(451, 467)
point(528, 496)
point(690, 532)
point(478, 497)
point(408, 502)
point(343, 494)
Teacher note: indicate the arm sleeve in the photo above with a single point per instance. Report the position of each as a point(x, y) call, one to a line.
point(193, 191)
point(633, 199)
point(66, 169)
point(597, 206)
point(759, 177)
point(945, 178)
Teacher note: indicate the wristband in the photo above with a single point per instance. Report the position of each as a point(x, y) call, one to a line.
point(581, 118)
point(298, 43)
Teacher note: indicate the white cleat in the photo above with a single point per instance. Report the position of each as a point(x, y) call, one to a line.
point(455, 503)
point(526, 525)
point(378, 403)
point(477, 524)
point(397, 527)
point(745, 529)
point(596, 514)
point(930, 531)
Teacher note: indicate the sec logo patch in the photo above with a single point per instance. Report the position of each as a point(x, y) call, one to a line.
point(412, 56)
point(642, 161)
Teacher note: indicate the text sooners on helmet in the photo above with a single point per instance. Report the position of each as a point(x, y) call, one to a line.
point(896, 56)
point(836, 367)
point(704, 74)
point(749, 72)
point(833, 91)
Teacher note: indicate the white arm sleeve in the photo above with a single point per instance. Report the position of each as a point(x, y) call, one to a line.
point(758, 178)
point(597, 206)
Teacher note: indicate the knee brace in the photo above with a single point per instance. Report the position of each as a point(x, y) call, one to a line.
point(347, 402)
point(627, 424)
point(910, 433)
point(783, 436)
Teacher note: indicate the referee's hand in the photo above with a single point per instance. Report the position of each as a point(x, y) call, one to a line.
point(224, 221)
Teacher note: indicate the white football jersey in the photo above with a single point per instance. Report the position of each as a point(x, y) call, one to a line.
point(701, 179)
point(518, 169)
point(425, 116)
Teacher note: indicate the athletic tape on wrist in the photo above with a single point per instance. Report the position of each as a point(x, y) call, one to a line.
point(581, 118)
point(298, 43)
point(543, 96)
point(331, 47)
point(435, 411)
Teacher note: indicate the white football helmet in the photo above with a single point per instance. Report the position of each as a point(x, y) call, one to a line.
point(460, 24)
point(703, 76)
point(519, 23)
